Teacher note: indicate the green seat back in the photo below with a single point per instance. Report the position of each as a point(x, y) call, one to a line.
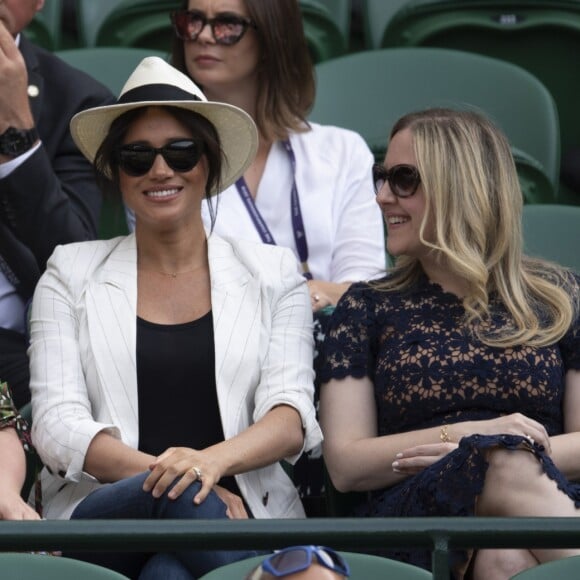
point(146, 23)
point(362, 567)
point(376, 14)
point(542, 36)
point(388, 83)
point(564, 569)
point(22, 566)
point(90, 17)
point(130, 23)
point(45, 28)
point(535, 183)
point(326, 24)
point(341, 11)
point(139, 23)
point(553, 232)
point(111, 66)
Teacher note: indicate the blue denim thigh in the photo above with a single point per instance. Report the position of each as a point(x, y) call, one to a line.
point(125, 499)
point(166, 566)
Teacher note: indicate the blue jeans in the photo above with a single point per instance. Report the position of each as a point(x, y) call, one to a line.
point(126, 499)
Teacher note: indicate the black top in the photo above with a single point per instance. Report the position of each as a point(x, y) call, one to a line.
point(178, 405)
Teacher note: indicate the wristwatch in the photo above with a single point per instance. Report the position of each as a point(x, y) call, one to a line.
point(15, 142)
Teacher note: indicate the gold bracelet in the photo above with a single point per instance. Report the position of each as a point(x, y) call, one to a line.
point(444, 435)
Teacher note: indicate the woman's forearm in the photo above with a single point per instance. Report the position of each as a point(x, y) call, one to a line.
point(13, 461)
point(108, 459)
point(277, 435)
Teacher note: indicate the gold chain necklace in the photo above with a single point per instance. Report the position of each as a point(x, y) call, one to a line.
point(171, 274)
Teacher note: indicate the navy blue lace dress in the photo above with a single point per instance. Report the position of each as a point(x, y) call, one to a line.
point(428, 371)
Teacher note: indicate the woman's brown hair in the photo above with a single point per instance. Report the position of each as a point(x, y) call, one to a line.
point(286, 73)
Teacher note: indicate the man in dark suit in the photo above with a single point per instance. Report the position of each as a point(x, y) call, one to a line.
point(47, 192)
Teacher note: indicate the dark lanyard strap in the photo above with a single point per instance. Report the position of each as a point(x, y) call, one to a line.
point(296, 214)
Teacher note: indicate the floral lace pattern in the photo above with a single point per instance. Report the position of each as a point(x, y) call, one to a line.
point(9, 417)
point(427, 371)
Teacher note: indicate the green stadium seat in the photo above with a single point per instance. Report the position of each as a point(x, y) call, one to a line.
point(22, 566)
point(376, 14)
point(146, 24)
point(139, 23)
point(90, 17)
point(382, 85)
point(552, 232)
point(45, 28)
point(541, 36)
point(362, 567)
point(130, 23)
point(341, 9)
point(111, 65)
point(326, 27)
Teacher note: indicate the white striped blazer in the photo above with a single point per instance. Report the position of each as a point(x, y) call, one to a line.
point(83, 359)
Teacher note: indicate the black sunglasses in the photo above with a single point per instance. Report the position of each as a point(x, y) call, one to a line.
point(299, 558)
point(136, 159)
point(403, 179)
point(227, 29)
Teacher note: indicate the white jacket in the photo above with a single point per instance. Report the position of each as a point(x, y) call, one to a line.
point(83, 359)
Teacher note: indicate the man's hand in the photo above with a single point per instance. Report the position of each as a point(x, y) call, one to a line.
point(14, 105)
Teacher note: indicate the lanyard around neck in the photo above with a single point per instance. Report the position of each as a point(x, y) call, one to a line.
point(295, 212)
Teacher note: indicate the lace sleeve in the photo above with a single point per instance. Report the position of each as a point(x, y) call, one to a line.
point(347, 349)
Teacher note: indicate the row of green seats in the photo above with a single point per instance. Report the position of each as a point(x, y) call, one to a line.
point(146, 24)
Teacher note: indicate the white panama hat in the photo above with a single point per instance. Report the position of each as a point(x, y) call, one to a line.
point(156, 83)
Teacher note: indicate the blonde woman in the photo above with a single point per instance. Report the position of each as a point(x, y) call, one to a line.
point(452, 386)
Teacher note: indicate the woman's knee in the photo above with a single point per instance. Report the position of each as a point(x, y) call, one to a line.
point(494, 564)
point(509, 472)
point(512, 466)
point(126, 499)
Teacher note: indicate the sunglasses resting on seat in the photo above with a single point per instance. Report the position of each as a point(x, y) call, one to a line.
point(299, 558)
point(136, 159)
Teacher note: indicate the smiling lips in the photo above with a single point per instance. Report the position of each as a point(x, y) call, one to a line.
point(162, 193)
point(396, 220)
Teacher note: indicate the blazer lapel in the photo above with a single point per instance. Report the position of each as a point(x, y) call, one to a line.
point(236, 308)
point(111, 303)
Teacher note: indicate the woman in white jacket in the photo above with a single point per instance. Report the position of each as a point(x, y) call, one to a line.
point(171, 370)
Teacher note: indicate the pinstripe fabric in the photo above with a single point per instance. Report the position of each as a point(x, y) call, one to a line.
point(83, 362)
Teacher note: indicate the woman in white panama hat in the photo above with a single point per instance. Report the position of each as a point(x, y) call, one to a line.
point(171, 371)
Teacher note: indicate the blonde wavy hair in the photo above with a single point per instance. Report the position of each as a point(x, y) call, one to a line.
point(471, 189)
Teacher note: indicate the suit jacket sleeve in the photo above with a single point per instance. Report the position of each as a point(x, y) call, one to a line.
point(52, 198)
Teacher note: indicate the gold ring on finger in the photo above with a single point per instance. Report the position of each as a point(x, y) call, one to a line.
point(197, 472)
